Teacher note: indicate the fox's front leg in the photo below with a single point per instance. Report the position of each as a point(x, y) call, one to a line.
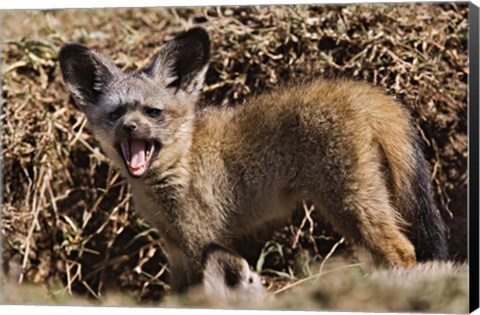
point(184, 251)
point(185, 267)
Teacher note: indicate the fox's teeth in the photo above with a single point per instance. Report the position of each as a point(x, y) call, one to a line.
point(148, 149)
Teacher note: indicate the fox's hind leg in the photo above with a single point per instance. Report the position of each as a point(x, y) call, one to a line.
point(360, 208)
point(369, 222)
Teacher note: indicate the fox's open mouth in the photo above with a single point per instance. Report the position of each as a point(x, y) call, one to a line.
point(138, 155)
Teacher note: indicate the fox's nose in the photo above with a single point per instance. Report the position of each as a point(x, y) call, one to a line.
point(130, 127)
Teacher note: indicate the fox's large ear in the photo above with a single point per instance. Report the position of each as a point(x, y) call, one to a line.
point(182, 63)
point(86, 72)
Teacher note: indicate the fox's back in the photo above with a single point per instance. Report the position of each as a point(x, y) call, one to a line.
point(316, 106)
point(289, 126)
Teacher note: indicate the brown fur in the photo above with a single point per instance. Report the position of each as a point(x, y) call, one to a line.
point(285, 146)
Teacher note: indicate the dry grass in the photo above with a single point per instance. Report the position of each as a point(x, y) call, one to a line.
point(66, 214)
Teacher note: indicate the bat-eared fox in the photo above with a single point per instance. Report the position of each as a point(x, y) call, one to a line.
point(217, 174)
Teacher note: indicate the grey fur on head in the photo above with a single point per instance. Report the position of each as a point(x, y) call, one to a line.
point(179, 65)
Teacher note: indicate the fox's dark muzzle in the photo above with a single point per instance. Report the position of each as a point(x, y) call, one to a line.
point(130, 127)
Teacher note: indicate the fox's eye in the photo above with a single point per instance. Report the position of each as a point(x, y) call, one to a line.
point(115, 115)
point(153, 112)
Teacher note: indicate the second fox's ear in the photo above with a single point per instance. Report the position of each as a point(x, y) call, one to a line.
point(227, 276)
point(223, 267)
point(182, 63)
point(86, 72)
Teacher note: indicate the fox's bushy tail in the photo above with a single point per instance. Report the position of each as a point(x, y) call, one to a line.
point(427, 231)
